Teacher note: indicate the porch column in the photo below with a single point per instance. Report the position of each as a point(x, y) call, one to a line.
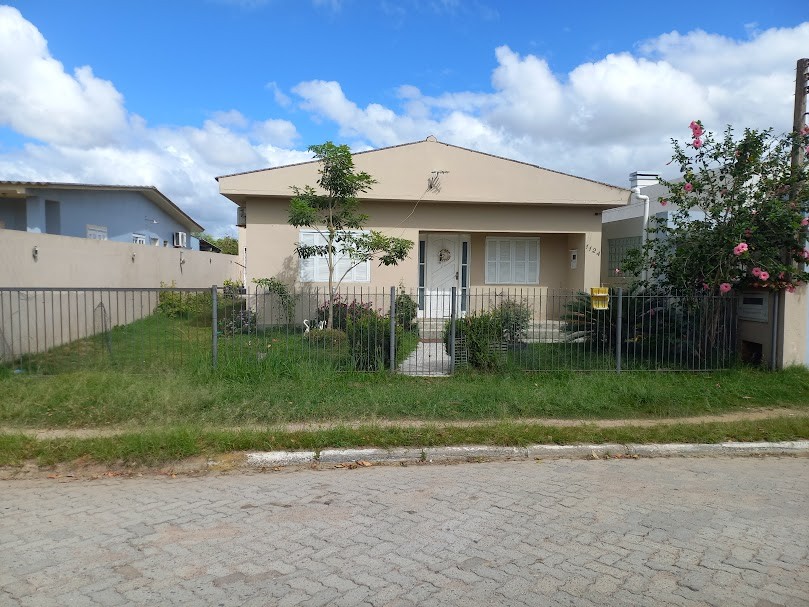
point(587, 272)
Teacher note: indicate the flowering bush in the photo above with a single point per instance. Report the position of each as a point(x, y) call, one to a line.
point(739, 219)
point(344, 312)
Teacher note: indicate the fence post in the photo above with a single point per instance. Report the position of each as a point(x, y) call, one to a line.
point(774, 331)
point(619, 312)
point(393, 329)
point(214, 324)
point(452, 331)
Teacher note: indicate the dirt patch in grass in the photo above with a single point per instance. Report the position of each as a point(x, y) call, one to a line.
point(752, 414)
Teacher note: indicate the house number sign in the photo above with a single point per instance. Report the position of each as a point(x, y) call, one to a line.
point(444, 255)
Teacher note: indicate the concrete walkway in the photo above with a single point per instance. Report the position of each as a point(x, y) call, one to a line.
point(429, 358)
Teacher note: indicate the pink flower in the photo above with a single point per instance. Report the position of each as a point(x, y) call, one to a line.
point(806, 254)
point(705, 286)
point(617, 270)
point(740, 248)
point(805, 130)
point(764, 275)
point(790, 289)
point(756, 272)
point(781, 275)
point(805, 221)
point(697, 143)
point(724, 287)
point(688, 187)
point(696, 128)
point(663, 202)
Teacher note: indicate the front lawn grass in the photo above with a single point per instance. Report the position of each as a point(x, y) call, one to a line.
point(263, 394)
point(154, 447)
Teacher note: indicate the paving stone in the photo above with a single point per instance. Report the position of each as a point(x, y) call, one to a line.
point(688, 532)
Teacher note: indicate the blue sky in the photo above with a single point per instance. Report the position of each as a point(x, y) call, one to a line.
point(174, 93)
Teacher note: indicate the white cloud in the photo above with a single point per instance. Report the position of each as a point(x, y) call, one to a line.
point(276, 132)
point(603, 119)
point(280, 98)
point(232, 118)
point(40, 100)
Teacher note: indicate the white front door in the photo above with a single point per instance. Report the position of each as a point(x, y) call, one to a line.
point(442, 266)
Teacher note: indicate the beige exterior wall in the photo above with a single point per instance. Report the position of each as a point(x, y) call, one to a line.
point(793, 340)
point(34, 320)
point(272, 240)
point(64, 261)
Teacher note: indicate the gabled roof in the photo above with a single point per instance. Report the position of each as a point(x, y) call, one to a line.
point(16, 189)
point(466, 175)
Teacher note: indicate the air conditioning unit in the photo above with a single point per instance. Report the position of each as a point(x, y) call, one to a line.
point(241, 217)
point(180, 239)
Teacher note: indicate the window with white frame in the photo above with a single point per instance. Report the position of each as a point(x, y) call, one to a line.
point(316, 268)
point(96, 232)
point(138, 239)
point(512, 261)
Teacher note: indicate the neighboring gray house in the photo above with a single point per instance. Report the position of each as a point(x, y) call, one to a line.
point(622, 228)
point(132, 214)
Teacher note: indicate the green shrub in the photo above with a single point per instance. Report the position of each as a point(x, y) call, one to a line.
point(231, 289)
point(344, 312)
point(513, 318)
point(658, 326)
point(583, 323)
point(244, 321)
point(182, 304)
point(406, 311)
point(477, 340)
point(369, 341)
point(332, 338)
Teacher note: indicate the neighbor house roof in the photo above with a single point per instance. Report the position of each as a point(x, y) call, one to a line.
point(18, 189)
point(466, 175)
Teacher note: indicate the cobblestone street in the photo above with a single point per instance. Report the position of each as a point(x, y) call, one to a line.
point(618, 532)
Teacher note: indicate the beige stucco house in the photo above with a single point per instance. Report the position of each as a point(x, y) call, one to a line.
point(488, 222)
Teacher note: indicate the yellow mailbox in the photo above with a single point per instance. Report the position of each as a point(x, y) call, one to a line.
point(600, 298)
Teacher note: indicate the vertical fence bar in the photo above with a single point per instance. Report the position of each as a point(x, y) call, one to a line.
point(453, 315)
point(393, 329)
point(619, 315)
point(214, 324)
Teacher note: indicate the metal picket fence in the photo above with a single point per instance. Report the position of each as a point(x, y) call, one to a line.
point(367, 330)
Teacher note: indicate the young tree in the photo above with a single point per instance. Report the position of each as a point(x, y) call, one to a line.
point(739, 220)
point(333, 211)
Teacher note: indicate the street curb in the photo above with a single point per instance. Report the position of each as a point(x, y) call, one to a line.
point(480, 452)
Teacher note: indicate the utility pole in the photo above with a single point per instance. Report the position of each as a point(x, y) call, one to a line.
point(799, 118)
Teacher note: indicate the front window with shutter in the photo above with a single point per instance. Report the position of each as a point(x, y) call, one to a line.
point(316, 269)
point(512, 261)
